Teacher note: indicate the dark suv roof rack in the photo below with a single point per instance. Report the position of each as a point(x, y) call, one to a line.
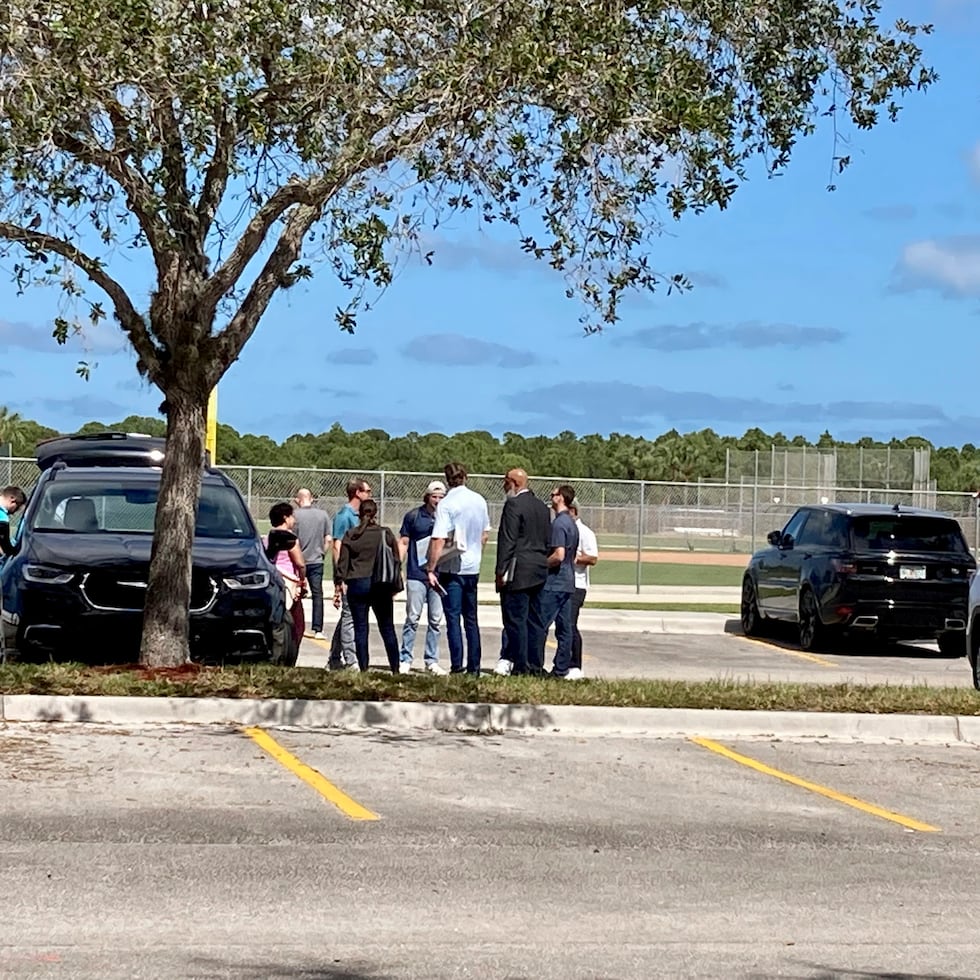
point(104, 449)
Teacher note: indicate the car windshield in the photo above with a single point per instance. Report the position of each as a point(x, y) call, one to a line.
point(89, 507)
point(885, 533)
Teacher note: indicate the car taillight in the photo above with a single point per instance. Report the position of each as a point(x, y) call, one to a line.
point(843, 567)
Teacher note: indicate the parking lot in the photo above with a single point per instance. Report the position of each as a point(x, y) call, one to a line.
point(190, 853)
point(703, 656)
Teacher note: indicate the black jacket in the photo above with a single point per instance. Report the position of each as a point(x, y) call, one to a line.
point(358, 550)
point(524, 542)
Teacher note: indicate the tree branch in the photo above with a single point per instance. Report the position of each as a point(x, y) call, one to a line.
point(225, 277)
point(139, 194)
point(228, 344)
point(133, 325)
point(216, 177)
point(177, 197)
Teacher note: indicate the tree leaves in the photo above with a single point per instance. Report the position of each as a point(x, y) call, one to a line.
point(586, 126)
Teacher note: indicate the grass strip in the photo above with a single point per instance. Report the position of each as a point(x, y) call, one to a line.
point(713, 607)
point(316, 684)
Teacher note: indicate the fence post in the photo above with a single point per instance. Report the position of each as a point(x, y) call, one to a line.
point(639, 540)
point(381, 490)
point(248, 491)
point(976, 526)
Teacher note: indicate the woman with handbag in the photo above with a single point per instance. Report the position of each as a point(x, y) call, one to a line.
point(370, 571)
point(282, 548)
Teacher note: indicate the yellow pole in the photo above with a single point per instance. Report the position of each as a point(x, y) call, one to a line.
point(211, 432)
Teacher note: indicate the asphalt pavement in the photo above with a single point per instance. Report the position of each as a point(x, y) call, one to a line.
point(189, 853)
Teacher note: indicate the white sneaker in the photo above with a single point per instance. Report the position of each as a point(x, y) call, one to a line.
point(504, 667)
point(318, 636)
point(434, 668)
point(405, 667)
point(575, 674)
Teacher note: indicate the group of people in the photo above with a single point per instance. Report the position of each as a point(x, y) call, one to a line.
point(544, 555)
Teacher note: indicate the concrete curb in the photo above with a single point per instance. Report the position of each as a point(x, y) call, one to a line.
point(489, 718)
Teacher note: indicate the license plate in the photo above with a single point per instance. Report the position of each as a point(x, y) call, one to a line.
point(917, 572)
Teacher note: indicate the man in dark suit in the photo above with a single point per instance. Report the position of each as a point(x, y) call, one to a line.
point(523, 544)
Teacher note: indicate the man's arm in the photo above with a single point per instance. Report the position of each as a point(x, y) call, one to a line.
point(588, 549)
point(507, 534)
point(559, 540)
point(441, 530)
point(556, 557)
point(435, 553)
point(403, 544)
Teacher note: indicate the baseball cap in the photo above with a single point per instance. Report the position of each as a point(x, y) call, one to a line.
point(436, 486)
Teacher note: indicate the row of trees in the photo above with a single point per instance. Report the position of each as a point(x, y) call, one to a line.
point(673, 456)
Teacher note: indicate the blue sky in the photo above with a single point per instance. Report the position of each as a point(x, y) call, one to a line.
point(856, 311)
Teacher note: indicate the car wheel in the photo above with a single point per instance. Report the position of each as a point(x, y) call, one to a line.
point(285, 649)
point(752, 621)
point(812, 630)
point(974, 656)
point(952, 644)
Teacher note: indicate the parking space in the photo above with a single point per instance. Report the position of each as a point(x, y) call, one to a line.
point(189, 853)
point(697, 657)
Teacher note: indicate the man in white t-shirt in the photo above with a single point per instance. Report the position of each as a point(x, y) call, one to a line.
point(585, 558)
point(460, 531)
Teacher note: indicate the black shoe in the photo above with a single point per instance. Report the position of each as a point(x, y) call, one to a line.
point(456, 670)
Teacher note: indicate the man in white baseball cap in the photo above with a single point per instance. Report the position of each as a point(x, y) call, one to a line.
point(416, 530)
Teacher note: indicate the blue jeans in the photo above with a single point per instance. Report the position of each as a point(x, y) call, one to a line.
point(578, 600)
point(361, 596)
point(524, 630)
point(460, 602)
point(342, 649)
point(418, 594)
point(314, 578)
point(556, 607)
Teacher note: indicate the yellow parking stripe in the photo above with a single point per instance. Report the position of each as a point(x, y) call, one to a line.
point(322, 785)
point(812, 657)
point(831, 794)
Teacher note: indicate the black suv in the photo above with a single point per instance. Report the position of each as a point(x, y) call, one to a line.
point(888, 572)
point(76, 586)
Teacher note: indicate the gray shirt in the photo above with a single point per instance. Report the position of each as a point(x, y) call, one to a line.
point(312, 526)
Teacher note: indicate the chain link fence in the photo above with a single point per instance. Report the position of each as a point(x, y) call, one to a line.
point(880, 468)
point(630, 518)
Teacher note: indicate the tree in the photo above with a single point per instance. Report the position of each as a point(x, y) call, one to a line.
point(235, 141)
point(11, 426)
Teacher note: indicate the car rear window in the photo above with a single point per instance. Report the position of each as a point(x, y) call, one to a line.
point(935, 534)
point(87, 507)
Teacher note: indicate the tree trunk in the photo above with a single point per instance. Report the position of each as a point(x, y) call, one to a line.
point(165, 619)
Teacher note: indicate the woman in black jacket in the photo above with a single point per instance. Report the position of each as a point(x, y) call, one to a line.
point(357, 570)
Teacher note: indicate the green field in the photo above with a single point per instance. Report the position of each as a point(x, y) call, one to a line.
point(624, 572)
point(653, 573)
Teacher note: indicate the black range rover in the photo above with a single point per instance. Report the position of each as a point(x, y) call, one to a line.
point(77, 585)
point(886, 572)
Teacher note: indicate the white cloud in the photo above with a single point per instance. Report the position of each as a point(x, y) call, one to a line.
point(950, 265)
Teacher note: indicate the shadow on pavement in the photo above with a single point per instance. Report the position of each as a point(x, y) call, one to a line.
point(785, 637)
point(213, 969)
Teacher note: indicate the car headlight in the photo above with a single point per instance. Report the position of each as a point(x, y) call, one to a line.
point(47, 575)
point(250, 580)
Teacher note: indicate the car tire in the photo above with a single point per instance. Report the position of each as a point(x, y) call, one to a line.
point(952, 644)
point(751, 618)
point(285, 649)
point(974, 656)
point(813, 633)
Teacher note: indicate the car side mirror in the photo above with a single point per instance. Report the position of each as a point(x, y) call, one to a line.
point(775, 538)
point(787, 543)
